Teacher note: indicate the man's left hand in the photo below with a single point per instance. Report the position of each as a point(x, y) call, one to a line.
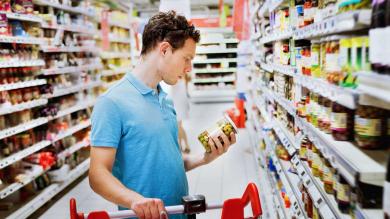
point(219, 147)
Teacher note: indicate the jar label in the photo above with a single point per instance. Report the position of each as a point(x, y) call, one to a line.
point(386, 198)
point(368, 127)
point(315, 59)
point(332, 64)
point(343, 192)
point(328, 177)
point(339, 121)
point(302, 152)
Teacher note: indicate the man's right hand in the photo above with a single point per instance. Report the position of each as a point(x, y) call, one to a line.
point(149, 208)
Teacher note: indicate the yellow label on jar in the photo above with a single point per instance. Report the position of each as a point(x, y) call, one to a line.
point(343, 192)
point(302, 152)
point(339, 120)
point(328, 176)
point(368, 127)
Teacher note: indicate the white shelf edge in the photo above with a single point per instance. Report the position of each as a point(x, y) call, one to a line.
point(71, 69)
point(22, 63)
point(21, 40)
point(22, 106)
point(63, 7)
point(74, 89)
point(216, 50)
point(23, 17)
point(206, 61)
point(50, 192)
point(214, 70)
point(24, 153)
point(53, 49)
point(22, 127)
point(23, 84)
point(73, 109)
point(70, 131)
point(67, 152)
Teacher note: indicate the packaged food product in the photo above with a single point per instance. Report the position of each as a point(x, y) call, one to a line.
point(370, 127)
point(328, 172)
point(315, 59)
point(343, 195)
point(28, 6)
point(224, 125)
point(315, 161)
point(4, 28)
point(342, 120)
point(303, 148)
point(332, 68)
point(324, 119)
point(17, 7)
point(5, 6)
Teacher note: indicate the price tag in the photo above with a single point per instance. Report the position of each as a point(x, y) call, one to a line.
point(316, 197)
point(325, 212)
point(307, 180)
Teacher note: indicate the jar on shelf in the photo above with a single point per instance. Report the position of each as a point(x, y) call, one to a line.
point(302, 107)
point(314, 109)
point(321, 166)
point(343, 195)
point(315, 59)
point(315, 161)
point(324, 123)
point(309, 153)
point(369, 126)
point(332, 68)
point(342, 119)
point(303, 148)
point(328, 172)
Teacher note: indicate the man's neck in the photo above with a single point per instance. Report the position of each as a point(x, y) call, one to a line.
point(146, 71)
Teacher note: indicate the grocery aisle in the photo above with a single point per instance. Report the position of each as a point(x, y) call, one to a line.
point(224, 178)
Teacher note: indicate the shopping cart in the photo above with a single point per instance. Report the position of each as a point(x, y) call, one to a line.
point(192, 205)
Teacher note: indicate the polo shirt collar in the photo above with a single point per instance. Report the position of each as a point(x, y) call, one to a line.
point(141, 87)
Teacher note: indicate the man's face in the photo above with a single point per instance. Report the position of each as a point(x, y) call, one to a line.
point(175, 65)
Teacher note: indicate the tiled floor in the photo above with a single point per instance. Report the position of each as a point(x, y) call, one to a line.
point(225, 178)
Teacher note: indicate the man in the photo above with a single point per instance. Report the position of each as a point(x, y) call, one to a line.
point(135, 157)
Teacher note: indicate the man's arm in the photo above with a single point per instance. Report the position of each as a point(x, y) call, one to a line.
point(217, 149)
point(105, 184)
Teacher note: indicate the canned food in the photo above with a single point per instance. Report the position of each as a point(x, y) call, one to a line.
point(224, 125)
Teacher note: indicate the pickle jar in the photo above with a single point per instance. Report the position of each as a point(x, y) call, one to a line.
point(343, 195)
point(326, 119)
point(224, 125)
point(342, 119)
point(315, 161)
point(370, 126)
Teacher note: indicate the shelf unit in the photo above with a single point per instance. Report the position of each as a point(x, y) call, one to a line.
point(87, 77)
point(214, 67)
point(269, 76)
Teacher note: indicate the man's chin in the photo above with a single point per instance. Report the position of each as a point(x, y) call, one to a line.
point(171, 82)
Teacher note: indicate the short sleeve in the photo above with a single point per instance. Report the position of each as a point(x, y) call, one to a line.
point(106, 123)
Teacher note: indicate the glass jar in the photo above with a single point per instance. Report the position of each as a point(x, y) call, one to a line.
point(328, 171)
point(314, 109)
point(302, 107)
point(370, 126)
point(327, 103)
point(342, 119)
point(303, 149)
point(315, 59)
point(224, 125)
point(321, 166)
point(309, 153)
point(343, 195)
point(315, 161)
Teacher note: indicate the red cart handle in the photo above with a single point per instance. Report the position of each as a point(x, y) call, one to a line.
point(232, 208)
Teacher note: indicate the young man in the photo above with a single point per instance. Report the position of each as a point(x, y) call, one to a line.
point(135, 157)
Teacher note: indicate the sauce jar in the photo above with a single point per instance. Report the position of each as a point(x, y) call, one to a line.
point(303, 148)
point(224, 125)
point(342, 119)
point(370, 126)
point(328, 171)
point(315, 161)
point(343, 195)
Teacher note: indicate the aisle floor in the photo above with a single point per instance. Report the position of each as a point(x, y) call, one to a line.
point(225, 178)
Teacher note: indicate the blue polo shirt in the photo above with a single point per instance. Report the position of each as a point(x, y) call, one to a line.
point(141, 125)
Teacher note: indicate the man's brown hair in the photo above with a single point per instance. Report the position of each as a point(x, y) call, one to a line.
point(169, 27)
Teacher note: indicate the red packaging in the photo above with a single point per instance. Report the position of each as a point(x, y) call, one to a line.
point(4, 29)
point(28, 6)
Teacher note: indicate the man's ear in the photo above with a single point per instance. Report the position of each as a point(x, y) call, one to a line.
point(164, 47)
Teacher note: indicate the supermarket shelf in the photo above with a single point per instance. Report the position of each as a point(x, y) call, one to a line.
point(118, 24)
point(5, 109)
point(284, 69)
point(348, 21)
point(214, 80)
point(77, 10)
point(375, 85)
point(276, 36)
point(215, 50)
point(115, 55)
point(22, 127)
point(73, 89)
point(69, 151)
point(323, 202)
point(24, 17)
point(116, 71)
point(70, 131)
point(29, 177)
point(70, 110)
point(213, 70)
point(24, 84)
point(219, 41)
point(24, 153)
point(49, 49)
point(21, 40)
point(119, 40)
point(50, 192)
point(71, 69)
point(212, 95)
point(369, 213)
point(206, 61)
point(296, 206)
point(15, 64)
point(352, 161)
point(71, 28)
point(279, 204)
